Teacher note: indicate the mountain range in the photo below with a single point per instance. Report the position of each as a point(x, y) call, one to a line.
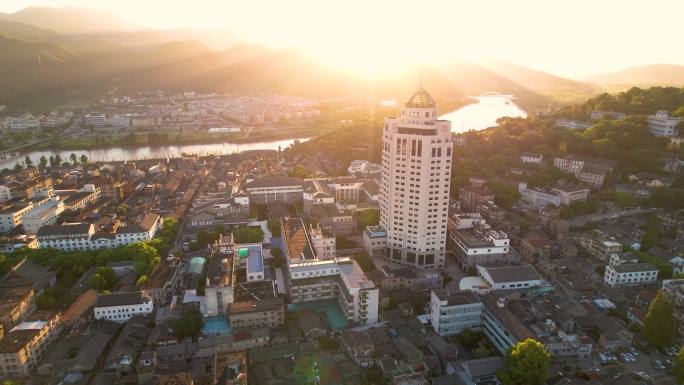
point(53, 58)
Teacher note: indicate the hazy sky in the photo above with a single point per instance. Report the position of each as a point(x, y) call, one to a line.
point(571, 37)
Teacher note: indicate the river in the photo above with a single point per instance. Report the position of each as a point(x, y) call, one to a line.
point(483, 114)
point(123, 153)
point(476, 116)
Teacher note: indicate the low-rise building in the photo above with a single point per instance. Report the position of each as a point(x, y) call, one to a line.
point(473, 196)
point(501, 326)
point(15, 303)
point(603, 248)
point(630, 274)
point(265, 313)
point(164, 281)
point(39, 216)
point(474, 242)
point(284, 189)
point(120, 307)
point(662, 124)
point(25, 344)
point(452, 314)
point(375, 241)
point(532, 157)
point(11, 217)
point(591, 171)
point(510, 277)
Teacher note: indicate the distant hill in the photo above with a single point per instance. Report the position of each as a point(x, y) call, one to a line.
point(19, 53)
point(656, 74)
point(178, 50)
point(25, 32)
point(69, 20)
point(538, 80)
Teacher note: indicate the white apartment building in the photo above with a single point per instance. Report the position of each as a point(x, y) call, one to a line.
point(538, 197)
point(510, 277)
point(120, 307)
point(452, 314)
point(340, 278)
point(82, 236)
point(312, 278)
point(285, 189)
point(630, 274)
point(95, 120)
point(416, 177)
point(662, 124)
point(532, 157)
point(24, 122)
point(591, 171)
point(39, 216)
point(474, 242)
point(323, 243)
point(12, 216)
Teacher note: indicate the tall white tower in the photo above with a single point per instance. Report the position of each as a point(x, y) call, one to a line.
point(416, 176)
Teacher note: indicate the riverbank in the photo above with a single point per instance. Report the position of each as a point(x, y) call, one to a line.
point(177, 138)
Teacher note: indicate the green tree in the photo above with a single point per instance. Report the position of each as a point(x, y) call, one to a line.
point(678, 365)
point(299, 171)
point(527, 363)
point(364, 261)
point(74, 158)
point(368, 218)
point(189, 324)
point(84, 158)
point(28, 160)
point(43, 162)
point(660, 325)
point(58, 159)
point(650, 239)
point(249, 235)
point(274, 226)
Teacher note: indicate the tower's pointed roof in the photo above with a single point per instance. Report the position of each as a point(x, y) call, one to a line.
point(421, 99)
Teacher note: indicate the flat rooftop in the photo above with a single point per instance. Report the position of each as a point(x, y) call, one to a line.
point(254, 256)
point(512, 273)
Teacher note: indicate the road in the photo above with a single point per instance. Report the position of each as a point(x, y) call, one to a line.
point(580, 221)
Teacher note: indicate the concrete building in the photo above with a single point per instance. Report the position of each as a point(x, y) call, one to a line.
point(416, 177)
point(630, 274)
point(375, 241)
point(510, 277)
point(15, 303)
point(532, 157)
point(39, 216)
point(603, 248)
point(323, 243)
point(312, 278)
point(11, 217)
point(120, 307)
point(662, 124)
point(500, 325)
point(94, 120)
point(284, 189)
point(265, 313)
point(538, 197)
point(591, 171)
point(452, 314)
point(82, 236)
point(25, 345)
point(474, 196)
point(474, 242)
